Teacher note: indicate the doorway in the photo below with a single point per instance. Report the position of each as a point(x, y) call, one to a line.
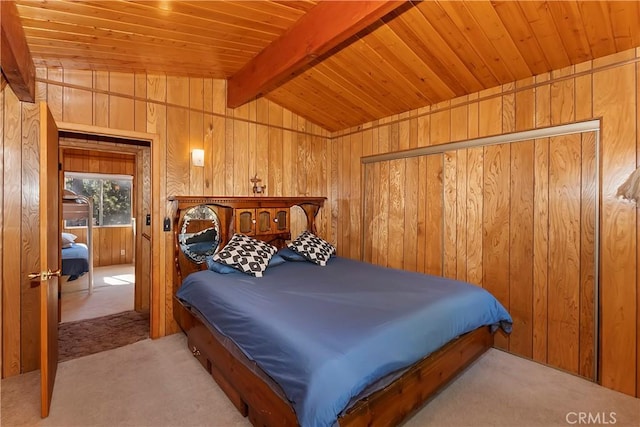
point(109, 306)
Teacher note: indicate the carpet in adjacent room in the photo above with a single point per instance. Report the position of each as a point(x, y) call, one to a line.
point(89, 336)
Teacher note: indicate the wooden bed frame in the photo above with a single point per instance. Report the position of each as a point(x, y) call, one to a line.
point(251, 395)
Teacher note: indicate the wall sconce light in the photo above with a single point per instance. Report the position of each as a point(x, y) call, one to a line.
point(197, 157)
point(630, 189)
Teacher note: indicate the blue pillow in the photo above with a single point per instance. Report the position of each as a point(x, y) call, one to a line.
point(218, 267)
point(291, 255)
point(276, 260)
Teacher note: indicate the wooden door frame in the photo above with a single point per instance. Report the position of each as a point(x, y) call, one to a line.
point(138, 152)
point(155, 306)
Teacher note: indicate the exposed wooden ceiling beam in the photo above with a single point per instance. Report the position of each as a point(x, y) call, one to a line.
point(15, 59)
point(323, 28)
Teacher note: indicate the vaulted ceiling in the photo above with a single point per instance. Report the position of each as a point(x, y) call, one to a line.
point(419, 54)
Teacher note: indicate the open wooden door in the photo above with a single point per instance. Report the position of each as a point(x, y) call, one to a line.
point(49, 273)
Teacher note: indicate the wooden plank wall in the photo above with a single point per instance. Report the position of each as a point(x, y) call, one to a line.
point(495, 191)
point(289, 153)
point(75, 160)
point(20, 234)
point(108, 242)
point(606, 88)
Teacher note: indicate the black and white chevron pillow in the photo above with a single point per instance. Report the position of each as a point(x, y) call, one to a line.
point(246, 254)
point(313, 248)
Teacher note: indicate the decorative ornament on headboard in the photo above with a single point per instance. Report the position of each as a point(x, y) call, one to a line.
point(630, 189)
point(257, 188)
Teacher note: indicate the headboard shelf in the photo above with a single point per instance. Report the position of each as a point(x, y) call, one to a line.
point(264, 218)
point(239, 202)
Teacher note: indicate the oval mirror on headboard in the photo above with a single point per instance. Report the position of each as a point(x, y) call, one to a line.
point(200, 233)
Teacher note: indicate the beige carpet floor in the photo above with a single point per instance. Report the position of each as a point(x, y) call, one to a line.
point(113, 292)
point(158, 383)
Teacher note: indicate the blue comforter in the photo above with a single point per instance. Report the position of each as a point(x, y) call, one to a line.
point(325, 333)
point(75, 260)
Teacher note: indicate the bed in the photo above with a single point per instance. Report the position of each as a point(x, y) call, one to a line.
point(348, 343)
point(77, 258)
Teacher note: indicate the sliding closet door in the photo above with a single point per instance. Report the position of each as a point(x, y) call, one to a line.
point(518, 219)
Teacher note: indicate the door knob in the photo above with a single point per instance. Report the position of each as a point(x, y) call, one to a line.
point(45, 275)
point(51, 274)
point(34, 276)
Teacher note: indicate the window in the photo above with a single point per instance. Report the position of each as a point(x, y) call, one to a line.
point(111, 196)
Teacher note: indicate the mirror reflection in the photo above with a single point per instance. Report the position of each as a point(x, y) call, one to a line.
point(200, 233)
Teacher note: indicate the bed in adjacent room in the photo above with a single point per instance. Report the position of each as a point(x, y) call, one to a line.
point(75, 260)
point(304, 337)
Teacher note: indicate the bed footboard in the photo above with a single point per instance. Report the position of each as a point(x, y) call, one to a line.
point(249, 394)
point(393, 404)
point(387, 407)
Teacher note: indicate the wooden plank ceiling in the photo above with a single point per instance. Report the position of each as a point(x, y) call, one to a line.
point(415, 56)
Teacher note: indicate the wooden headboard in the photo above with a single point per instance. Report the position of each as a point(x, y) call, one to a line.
point(263, 218)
